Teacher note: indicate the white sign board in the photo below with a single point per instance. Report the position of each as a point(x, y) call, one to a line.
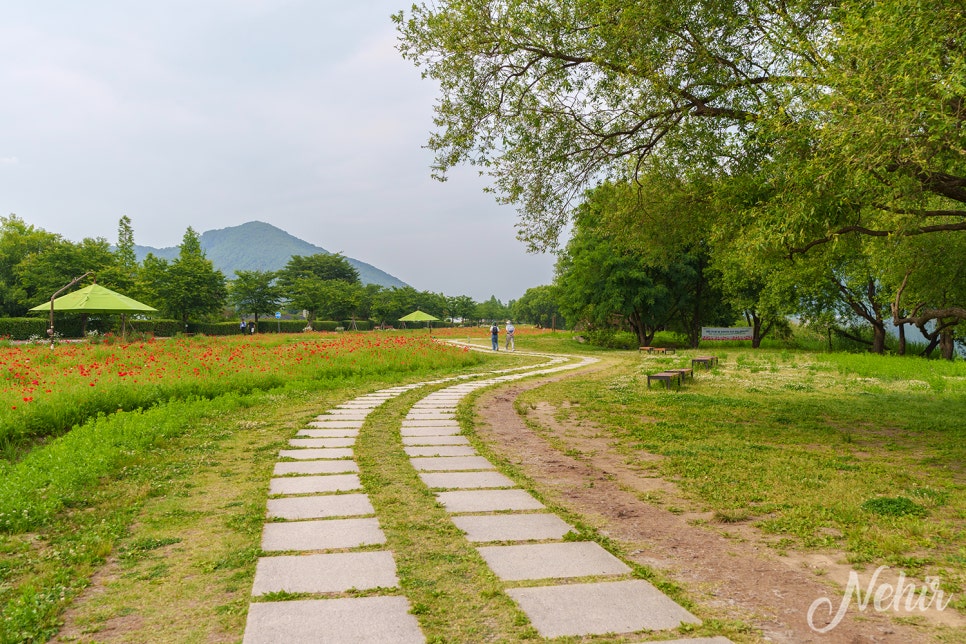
point(722, 333)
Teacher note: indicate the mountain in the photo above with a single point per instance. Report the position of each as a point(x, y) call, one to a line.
point(257, 246)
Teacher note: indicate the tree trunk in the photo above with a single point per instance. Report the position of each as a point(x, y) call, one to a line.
point(902, 339)
point(946, 344)
point(756, 333)
point(878, 338)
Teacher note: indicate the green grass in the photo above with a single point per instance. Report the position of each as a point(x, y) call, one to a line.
point(804, 446)
point(122, 489)
point(857, 455)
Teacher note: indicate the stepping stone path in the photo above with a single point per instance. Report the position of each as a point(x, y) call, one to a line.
point(317, 506)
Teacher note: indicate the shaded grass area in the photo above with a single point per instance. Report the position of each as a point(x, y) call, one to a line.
point(805, 447)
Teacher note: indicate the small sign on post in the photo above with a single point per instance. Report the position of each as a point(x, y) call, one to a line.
point(278, 317)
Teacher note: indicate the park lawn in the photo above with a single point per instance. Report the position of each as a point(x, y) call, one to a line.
point(853, 454)
point(172, 496)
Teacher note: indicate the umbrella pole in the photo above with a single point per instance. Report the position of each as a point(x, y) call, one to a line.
point(50, 329)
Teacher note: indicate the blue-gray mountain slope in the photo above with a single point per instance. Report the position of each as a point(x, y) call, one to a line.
point(257, 246)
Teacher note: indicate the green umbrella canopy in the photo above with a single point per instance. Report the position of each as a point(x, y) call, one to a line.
point(95, 299)
point(418, 316)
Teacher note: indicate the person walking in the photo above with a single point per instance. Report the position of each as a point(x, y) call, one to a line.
point(495, 336)
point(509, 328)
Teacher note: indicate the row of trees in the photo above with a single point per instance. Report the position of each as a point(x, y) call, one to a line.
point(808, 156)
point(35, 263)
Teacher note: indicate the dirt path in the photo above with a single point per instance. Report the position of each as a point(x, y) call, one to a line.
point(732, 578)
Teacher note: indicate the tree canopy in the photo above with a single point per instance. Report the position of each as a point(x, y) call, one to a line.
point(855, 109)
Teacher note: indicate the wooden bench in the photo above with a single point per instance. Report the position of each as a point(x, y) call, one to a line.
point(666, 377)
point(656, 349)
point(685, 373)
point(705, 361)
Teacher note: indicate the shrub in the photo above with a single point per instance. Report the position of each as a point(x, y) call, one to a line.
point(612, 339)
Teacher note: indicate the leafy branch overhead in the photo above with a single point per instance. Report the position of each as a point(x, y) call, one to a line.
point(844, 103)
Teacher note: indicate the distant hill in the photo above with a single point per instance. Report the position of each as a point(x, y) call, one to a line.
point(257, 246)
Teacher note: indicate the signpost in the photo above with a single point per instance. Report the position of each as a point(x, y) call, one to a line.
point(278, 317)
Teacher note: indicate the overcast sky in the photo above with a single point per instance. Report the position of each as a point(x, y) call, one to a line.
point(213, 113)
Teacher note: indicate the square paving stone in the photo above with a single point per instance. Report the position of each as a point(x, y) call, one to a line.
point(441, 450)
point(325, 573)
point(319, 507)
point(309, 453)
point(322, 442)
point(430, 431)
point(336, 466)
point(551, 560)
point(331, 534)
point(314, 484)
point(344, 414)
point(410, 422)
point(435, 440)
point(512, 527)
point(336, 424)
point(465, 480)
point(451, 463)
point(361, 620)
point(329, 433)
point(487, 500)
point(589, 609)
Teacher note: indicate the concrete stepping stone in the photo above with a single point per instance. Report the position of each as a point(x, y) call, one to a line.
point(325, 573)
point(342, 411)
point(593, 609)
point(308, 453)
point(512, 527)
point(429, 431)
point(551, 561)
point(335, 466)
point(322, 442)
point(441, 450)
point(435, 440)
point(465, 480)
point(450, 463)
point(319, 507)
point(314, 484)
point(329, 433)
point(487, 500)
point(336, 424)
point(331, 534)
point(361, 620)
point(409, 422)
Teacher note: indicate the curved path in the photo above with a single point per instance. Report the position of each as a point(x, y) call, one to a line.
point(317, 506)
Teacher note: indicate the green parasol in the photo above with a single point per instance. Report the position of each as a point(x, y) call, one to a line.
point(419, 316)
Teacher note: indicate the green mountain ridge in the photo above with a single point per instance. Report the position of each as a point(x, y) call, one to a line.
point(257, 246)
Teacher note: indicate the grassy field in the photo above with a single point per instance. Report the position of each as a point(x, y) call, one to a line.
point(854, 454)
point(858, 454)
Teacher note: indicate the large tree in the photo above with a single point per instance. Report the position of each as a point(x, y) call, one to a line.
point(254, 292)
point(19, 240)
point(189, 287)
point(538, 305)
point(548, 95)
point(813, 120)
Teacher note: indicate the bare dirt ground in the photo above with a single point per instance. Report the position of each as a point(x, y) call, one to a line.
point(727, 569)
